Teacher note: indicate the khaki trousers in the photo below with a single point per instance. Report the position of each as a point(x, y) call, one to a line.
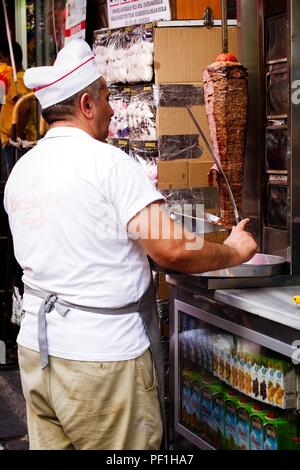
point(91, 405)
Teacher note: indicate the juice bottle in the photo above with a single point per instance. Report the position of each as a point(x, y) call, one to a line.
point(230, 420)
point(263, 380)
point(248, 374)
point(277, 432)
point(218, 421)
point(255, 370)
point(208, 393)
point(195, 401)
point(186, 392)
point(257, 421)
point(244, 411)
point(271, 381)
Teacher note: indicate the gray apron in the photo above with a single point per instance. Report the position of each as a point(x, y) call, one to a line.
point(146, 307)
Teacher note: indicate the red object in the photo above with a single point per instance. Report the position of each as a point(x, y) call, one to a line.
point(256, 407)
point(69, 73)
point(244, 400)
point(75, 29)
point(3, 78)
point(226, 58)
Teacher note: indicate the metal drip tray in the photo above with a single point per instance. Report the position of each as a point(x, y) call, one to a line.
point(260, 265)
point(255, 273)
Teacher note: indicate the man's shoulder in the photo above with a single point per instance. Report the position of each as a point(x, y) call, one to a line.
point(109, 152)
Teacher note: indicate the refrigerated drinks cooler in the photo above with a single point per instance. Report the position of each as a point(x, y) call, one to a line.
point(234, 341)
point(234, 383)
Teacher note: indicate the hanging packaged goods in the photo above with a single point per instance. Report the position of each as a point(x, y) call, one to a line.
point(155, 114)
point(226, 99)
point(125, 55)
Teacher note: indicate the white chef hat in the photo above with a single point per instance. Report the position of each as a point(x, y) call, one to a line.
point(74, 69)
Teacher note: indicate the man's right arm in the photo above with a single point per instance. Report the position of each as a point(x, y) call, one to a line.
point(179, 250)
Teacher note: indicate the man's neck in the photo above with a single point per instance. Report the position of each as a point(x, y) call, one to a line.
point(73, 123)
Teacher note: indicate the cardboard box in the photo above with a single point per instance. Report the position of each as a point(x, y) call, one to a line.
point(194, 9)
point(172, 174)
point(182, 53)
point(174, 147)
point(198, 173)
point(178, 95)
point(177, 134)
point(177, 121)
point(185, 173)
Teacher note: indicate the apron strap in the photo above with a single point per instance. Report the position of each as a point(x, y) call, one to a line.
point(51, 302)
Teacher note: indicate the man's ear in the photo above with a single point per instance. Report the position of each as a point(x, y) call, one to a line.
point(86, 106)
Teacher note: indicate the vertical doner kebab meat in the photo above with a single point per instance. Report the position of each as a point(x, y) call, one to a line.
point(226, 101)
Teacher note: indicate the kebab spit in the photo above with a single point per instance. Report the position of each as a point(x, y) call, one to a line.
point(226, 101)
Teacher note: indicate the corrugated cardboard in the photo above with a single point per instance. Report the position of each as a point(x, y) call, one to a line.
point(172, 174)
point(182, 53)
point(198, 173)
point(177, 121)
point(185, 173)
point(173, 147)
point(178, 95)
point(194, 9)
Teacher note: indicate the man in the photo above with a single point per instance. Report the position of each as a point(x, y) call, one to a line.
point(82, 215)
point(26, 123)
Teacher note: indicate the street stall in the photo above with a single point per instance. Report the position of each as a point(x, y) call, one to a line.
point(235, 333)
point(210, 110)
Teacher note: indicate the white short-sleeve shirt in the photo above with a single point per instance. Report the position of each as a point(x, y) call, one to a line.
point(69, 201)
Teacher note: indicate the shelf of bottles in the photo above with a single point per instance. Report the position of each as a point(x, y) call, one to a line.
point(234, 394)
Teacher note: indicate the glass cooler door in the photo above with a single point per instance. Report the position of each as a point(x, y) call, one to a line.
point(231, 393)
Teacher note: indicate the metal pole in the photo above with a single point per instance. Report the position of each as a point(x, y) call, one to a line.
point(224, 27)
point(11, 52)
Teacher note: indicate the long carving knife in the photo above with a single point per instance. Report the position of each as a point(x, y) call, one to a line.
point(218, 164)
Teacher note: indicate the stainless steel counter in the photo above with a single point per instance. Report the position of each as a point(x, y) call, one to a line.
point(273, 303)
